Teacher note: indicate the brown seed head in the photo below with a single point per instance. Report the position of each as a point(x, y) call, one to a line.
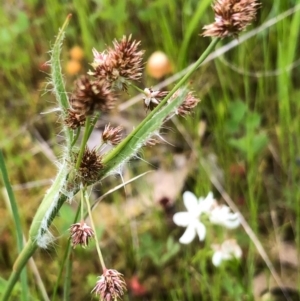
point(153, 98)
point(90, 166)
point(91, 95)
point(110, 286)
point(119, 64)
point(231, 17)
point(112, 135)
point(80, 234)
point(188, 104)
point(74, 120)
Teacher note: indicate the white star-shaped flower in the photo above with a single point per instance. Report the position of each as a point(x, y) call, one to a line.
point(221, 215)
point(190, 218)
point(228, 250)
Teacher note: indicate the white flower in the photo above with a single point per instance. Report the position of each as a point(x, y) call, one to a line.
point(228, 250)
point(190, 219)
point(221, 215)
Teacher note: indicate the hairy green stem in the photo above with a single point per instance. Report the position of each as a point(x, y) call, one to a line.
point(58, 82)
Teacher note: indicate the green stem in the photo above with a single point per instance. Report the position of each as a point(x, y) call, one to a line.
point(137, 88)
point(58, 81)
point(83, 142)
point(86, 197)
point(17, 220)
point(196, 65)
point(75, 137)
point(92, 124)
point(20, 263)
point(68, 276)
point(65, 257)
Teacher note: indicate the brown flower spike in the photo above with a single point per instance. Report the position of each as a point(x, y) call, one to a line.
point(90, 166)
point(80, 234)
point(91, 95)
point(110, 286)
point(119, 64)
point(112, 135)
point(231, 17)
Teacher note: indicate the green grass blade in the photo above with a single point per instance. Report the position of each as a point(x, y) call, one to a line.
point(17, 220)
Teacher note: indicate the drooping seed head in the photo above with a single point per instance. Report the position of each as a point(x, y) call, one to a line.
point(80, 234)
point(110, 286)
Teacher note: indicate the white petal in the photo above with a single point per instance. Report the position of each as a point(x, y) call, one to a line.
point(201, 230)
point(205, 205)
point(217, 258)
point(190, 201)
point(232, 223)
point(182, 219)
point(188, 235)
point(238, 252)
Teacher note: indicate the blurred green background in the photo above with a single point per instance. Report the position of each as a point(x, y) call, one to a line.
point(245, 132)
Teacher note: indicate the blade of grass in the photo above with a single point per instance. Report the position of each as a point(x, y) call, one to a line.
point(17, 220)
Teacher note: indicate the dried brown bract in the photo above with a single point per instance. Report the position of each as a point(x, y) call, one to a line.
point(91, 95)
point(90, 166)
point(119, 64)
point(153, 98)
point(231, 17)
point(74, 120)
point(110, 286)
point(80, 234)
point(112, 135)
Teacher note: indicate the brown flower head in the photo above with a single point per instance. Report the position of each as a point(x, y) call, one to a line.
point(153, 98)
point(90, 166)
point(110, 286)
point(188, 104)
point(119, 64)
point(112, 135)
point(231, 17)
point(91, 95)
point(80, 234)
point(74, 120)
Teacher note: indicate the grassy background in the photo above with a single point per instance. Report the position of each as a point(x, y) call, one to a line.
point(250, 108)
